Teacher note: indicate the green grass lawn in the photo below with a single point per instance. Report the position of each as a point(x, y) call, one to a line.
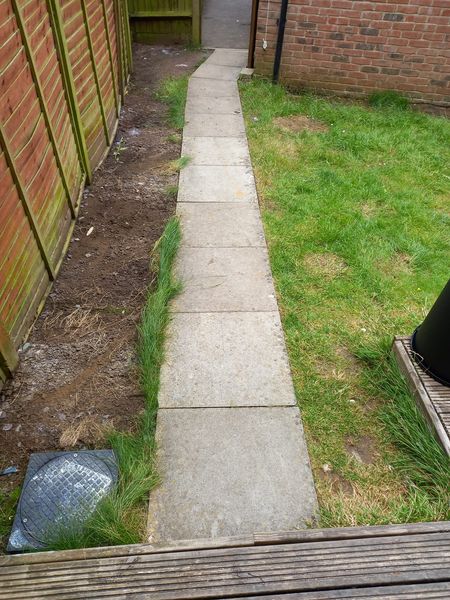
point(357, 222)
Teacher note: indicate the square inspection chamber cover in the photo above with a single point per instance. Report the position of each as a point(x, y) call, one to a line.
point(60, 488)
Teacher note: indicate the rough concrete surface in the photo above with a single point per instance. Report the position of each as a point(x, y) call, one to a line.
point(249, 347)
point(230, 471)
point(209, 225)
point(226, 23)
point(232, 454)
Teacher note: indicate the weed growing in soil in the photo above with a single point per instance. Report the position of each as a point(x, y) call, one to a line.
point(173, 91)
point(121, 517)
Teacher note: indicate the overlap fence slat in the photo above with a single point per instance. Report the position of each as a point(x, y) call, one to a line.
point(64, 67)
point(165, 20)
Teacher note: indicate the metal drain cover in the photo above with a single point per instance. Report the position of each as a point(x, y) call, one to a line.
point(60, 489)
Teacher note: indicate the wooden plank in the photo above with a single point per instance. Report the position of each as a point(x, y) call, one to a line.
point(436, 591)
point(127, 34)
point(196, 22)
point(230, 572)
point(110, 55)
point(120, 49)
point(69, 87)
point(21, 189)
point(8, 355)
point(351, 533)
point(43, 103)
point(94, 69)
point(419, 391)
point(124, 551)
point(163, 14)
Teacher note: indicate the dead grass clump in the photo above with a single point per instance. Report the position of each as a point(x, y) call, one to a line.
point(325, 264)
point(299, 123)
point(88, 431)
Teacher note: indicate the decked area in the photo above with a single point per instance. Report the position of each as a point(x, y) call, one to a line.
point(431, 396)
point(395, 562)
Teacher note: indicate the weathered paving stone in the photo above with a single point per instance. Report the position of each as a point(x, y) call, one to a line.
point(221, 225)
point(230, 471)
point(216, 151)
point(226, 359)
point(230, 58)
point(209, 125)
point(213, 105)
point(217, 184)
point(224, 279)
point(212, 71)
point(199, 88)
point(200, 183)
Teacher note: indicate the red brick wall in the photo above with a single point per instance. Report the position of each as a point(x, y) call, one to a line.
point(353, 47)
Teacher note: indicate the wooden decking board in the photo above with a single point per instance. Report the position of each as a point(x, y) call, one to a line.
point(307, 566)
point(432, 397)
point(400, 592)
point(342, 533)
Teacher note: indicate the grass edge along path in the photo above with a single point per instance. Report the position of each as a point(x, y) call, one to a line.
point(354, 202)
point(121, 517)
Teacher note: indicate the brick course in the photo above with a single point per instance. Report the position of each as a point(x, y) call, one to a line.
point(354, 47)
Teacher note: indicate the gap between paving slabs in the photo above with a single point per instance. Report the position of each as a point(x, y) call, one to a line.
point(231, 448)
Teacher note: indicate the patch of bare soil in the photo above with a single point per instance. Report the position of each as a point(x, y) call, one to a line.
point(336, 483)
point(299, 123)
point(77, 376)
point(363, 450)
point(326, 264)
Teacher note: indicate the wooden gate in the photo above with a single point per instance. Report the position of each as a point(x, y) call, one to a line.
point(166, 21)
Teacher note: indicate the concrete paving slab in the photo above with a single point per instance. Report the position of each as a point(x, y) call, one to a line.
point(226, 23)
point(216, 184)
point(213, 105)
point(207, 225)
point(211, 71)
point(229, 57)
point(224, 279)
point(212, 125)
point(232, 453)
point(199, 87)
point(215, 151)
point(230, 471)
point(234, 359)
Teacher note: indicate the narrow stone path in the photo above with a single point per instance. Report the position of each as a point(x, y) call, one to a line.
point(232, 454)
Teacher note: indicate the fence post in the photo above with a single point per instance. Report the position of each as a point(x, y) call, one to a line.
point(94, 69)
point(62, 50)
point(26, 204)
point(8, 355)
point(42, 103)
point(196, 22)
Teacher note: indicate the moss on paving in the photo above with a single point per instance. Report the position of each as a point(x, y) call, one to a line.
point(356, 217)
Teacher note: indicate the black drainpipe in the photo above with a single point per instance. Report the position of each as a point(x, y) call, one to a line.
point(280, 40)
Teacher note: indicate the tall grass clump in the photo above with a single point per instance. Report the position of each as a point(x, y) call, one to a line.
point(173, 91)
point(121, 517)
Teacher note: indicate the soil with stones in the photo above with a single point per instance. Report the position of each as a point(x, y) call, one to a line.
point(77, 376)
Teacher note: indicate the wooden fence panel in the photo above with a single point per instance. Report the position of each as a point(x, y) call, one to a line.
point(64, 65)
point(165, 20)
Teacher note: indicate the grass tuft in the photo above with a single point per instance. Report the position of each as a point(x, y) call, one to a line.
point(121, 517)
point(173, 91)
point(388, 99)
